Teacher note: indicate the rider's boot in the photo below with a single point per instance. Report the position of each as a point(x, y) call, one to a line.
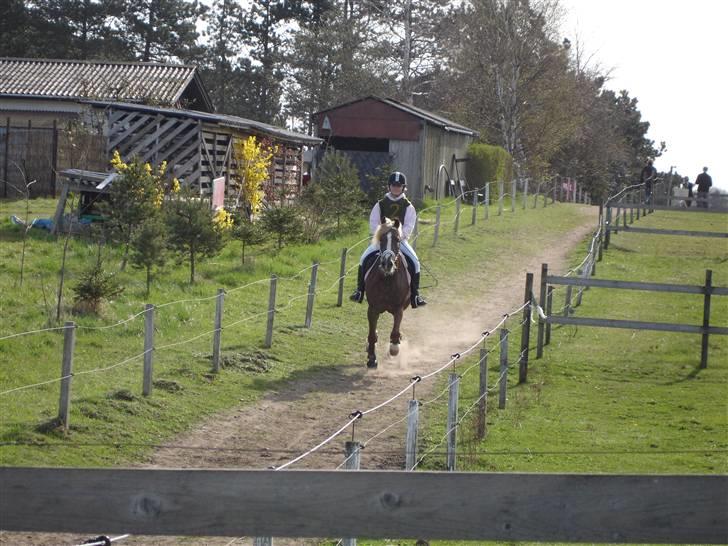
point(415, 298)
point(358, 295)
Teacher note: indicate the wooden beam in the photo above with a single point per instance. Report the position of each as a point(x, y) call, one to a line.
point(127, 148)
point(121, 135)
point(149, 139)
point(375, 504)
point(636, 325)
point(631, 285)
point(168, 137)
point(655, 231)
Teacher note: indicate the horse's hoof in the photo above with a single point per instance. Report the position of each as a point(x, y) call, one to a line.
point(394, 349)
point(372, 364)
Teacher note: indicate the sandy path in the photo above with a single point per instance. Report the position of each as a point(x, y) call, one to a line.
point(287, 423)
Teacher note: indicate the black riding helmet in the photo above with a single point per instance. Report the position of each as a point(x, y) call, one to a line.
point(397, 179)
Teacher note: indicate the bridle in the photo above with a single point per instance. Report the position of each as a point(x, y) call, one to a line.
point(388, 255)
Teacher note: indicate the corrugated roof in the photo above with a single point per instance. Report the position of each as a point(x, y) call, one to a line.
point(68, 79)
point(434, 119)
point(221, 119)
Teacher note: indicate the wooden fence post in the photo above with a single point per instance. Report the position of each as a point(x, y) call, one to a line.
point(503, 377)
point(553, 195)
point(148, 349)
point(457, 213)
point(413, 417)
point(437, 226)
point(352, 452)
point(500, 197)
point(483, 394)
point(513, 195)
point(271, 312)
point(217, 336)
point(580, 291)
point(311, 295)
point(263, 541)
point(452, 420)
point(542, 303)
point(525, 193)
point(486, 200)
point(549, 297)
point(69, 343)
point(706, 317)
point(525, 330)
point(607, 226)
point(475, 207)
point(342, 275)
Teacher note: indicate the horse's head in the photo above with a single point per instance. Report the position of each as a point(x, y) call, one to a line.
point(388, 237)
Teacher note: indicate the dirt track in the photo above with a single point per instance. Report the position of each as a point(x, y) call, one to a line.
point(288, 422)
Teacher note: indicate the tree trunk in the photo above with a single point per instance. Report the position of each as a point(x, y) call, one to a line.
point(149, 278)
point(192, 264)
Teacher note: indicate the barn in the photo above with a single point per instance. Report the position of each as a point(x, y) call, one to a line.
point(68, 117)
point(376, 131)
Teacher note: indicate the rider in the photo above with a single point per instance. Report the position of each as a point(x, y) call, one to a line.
point(394, 205)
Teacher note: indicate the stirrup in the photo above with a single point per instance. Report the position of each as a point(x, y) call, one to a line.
point(357, 296)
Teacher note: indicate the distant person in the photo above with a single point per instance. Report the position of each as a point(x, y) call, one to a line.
point(647, 177)
point(703, 182)
point(688, 186)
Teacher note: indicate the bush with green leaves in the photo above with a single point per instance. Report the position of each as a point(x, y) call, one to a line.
point(134, 197)
point(194, 229)
point(148, 248)
point(378, 184)
point(334, 196)
point(94, 288)
point(487, 163)
point(283, 222)
point(249, 233)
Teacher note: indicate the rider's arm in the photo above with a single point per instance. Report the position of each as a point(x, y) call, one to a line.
point(409, 222)
point(374, 219)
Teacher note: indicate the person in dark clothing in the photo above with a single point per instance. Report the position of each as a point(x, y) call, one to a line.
point(647, 177)
point(689, 186)
point(394, 205)
point(703, 182)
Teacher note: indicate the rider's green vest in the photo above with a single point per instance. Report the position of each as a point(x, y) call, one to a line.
point(393, 209)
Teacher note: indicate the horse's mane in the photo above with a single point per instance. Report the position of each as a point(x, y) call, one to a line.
point(383, 228)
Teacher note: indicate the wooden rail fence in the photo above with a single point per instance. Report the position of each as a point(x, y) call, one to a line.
point(375, 504)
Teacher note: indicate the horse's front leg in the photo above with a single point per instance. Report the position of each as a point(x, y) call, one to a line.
point(373, 317)
point(395, 337)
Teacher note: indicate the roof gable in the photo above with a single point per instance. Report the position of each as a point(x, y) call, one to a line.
point(419, 113)
point(148, 83)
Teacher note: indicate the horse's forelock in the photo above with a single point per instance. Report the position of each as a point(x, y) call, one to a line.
point(383, 228)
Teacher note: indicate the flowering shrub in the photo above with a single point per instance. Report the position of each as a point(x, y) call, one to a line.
point(253, 160)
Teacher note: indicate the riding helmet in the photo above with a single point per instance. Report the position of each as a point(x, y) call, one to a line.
point(397, 179)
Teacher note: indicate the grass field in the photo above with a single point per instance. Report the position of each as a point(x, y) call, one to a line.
point(610, 400)
point(111, 423)
point(600, 401)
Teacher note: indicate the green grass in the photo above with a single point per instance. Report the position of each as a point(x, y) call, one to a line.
point(609, 400)
point(111, 423)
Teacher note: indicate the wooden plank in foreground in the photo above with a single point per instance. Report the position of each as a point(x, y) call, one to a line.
point(376, 504)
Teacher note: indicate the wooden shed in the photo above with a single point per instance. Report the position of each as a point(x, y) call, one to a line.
point(375, 131)
point(70, 116)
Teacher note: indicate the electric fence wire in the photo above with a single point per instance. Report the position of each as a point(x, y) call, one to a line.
point(457, 423)
point(359, 414)
point(161, 305)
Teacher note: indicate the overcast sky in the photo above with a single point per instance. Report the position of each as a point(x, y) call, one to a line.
point(672, 55)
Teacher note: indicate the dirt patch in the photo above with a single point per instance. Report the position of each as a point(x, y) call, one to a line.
point(290, 421)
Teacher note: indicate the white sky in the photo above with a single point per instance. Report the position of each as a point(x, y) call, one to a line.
point(672, 55)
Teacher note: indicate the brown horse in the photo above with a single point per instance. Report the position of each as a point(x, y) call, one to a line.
point(387, 288)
